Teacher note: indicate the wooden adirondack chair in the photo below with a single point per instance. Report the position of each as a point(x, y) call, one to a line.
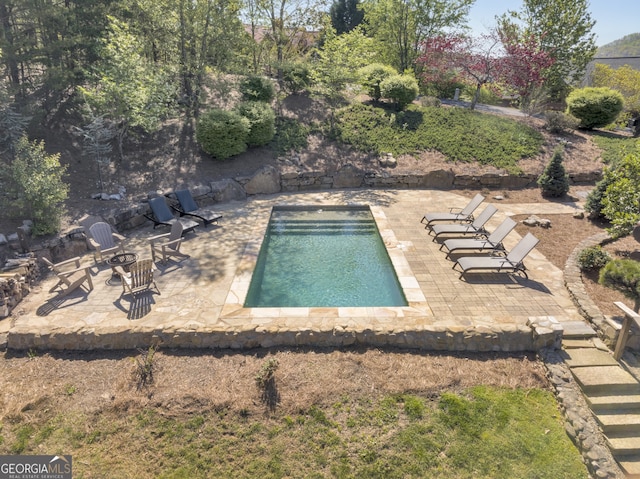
point(139, 278)
point(70, 275)
point(167, 245)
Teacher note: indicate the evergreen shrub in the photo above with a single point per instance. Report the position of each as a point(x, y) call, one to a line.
point(296, 77)
point(257, 88)
point(401, 89)
point(624, 276)
point(554, 180)
point(222, 134)
point(593, 258)
point(262, 121)
point(595, 107)
point(372, 75)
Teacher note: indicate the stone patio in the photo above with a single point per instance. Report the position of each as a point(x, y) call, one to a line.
point(201, 298)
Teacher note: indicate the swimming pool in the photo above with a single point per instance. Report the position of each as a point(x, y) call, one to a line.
point(329, 256)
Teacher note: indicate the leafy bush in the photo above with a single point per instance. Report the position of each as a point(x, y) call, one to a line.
point(593, 204)
point(459, 134)
point(290, 135)
point(40, 191)
point(554, 180)
point(624, 276)
point(262, 121)
point(401, 89)
point(296, 77)
point(257, 88)
point(559, 122)
point(222, 134)
point(372, 75)
point(595, 107)
point(593, 258)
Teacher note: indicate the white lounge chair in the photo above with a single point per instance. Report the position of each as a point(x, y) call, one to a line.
point(492, 243)
point(512, 263)
point(455, 214)
point(476, 227)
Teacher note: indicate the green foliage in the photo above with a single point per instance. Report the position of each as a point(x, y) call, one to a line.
point(145, 367)
point(291, 135)
point(400, 27)
point(622, 275)
point(460, 134)
point(594, 107)
point(625, 79)
point(12, 126)
point(554, 180)
point(257, 88)
point(619, 193)
point(401, 89)
point(97, 137)
point(222, 134)
point(558, 122)
point(615, 148)
point(262, 121)
point(345, 15)
point(372, 75)
point(266, 373)
point(593, 258)
point(37, 178)
point(296, 76)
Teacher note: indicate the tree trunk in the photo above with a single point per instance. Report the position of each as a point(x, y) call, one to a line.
point(476, 96)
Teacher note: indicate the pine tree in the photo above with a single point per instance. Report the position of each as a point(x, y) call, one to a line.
point(554, 181)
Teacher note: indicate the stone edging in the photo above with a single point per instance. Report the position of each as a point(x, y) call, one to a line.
point(580, 424)
point(574, 284)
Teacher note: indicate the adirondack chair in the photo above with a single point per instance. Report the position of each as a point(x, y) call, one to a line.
point(167, 245)
point(139, 278)
point(105, 241)
point(70, 275)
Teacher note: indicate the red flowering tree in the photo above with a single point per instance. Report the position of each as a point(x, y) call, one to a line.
point(493, 60)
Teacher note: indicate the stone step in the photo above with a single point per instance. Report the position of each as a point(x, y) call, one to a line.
point(622, 446)
point(601, 380)
point(630, 465)
point(577, 330)
point(617, 402)
point(619, 422)
point(581, 357)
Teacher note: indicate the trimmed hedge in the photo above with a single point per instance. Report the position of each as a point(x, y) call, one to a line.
point(222, 133)
point(401, 89)
point(372, 75)
point(595, 107)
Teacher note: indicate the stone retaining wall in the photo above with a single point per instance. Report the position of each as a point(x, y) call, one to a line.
point(499, 338)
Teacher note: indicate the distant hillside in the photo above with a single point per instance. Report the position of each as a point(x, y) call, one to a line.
point(628, 46)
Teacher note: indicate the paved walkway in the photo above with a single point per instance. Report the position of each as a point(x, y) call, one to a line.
point(200, 304)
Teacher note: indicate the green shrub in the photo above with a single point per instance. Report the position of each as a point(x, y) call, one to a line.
point(593, 205)
point(222, 134)
point(559, 122)
point(257, 88)
point(401, 89)
point(37, 180)
point(372, 75)
point(296, 77)
point(595, 107)
point(290, 135)
point(554, 180)
point(593, 258)
point(262, 121)
point(624, 276)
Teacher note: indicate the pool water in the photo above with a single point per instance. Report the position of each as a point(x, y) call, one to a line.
point(323, 257)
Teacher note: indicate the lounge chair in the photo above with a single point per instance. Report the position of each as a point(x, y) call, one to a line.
point(139, 278)
point(70, 275)
point(476, 227)
point(187, 206)
point(455, 214)
point(492, 243)
point(161, 215)
point(104, 240)
point(512, 263)
point(168, 244)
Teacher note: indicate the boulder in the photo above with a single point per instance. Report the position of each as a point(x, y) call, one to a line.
point(532, 220)
point(265, 181)
point(227, 190)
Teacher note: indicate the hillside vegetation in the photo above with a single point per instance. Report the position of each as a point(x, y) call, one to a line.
point(627, 46)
